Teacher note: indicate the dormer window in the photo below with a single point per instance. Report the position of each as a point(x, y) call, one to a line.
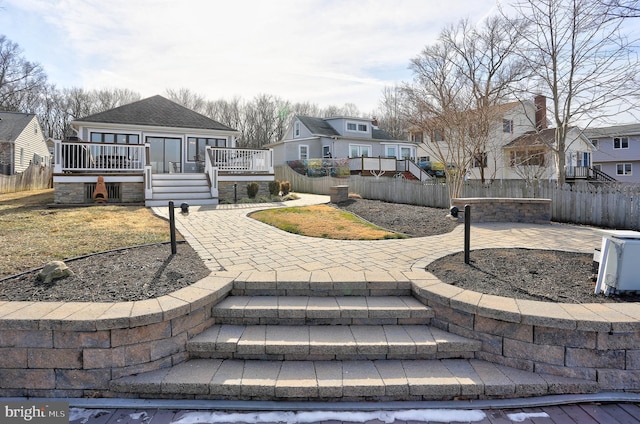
point(357, 127)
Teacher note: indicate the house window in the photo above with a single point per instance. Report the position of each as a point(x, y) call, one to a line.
point(597, 167)
point(416, 137)
point(98, 137)
point(303, 152)
point(623, 169)
point(533, 157)
point(356, 127)
point(296, 129)
point(405, 153)
point(197, 146)
point(584, 158)
point(507, 126)
point(391, 151)
point(326, 151)
point(437, 136)
point(595, 143)
point(620, 142)
point(359, 150)
point(480, 160)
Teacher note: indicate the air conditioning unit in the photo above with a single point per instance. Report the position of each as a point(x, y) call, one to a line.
point(619, 263)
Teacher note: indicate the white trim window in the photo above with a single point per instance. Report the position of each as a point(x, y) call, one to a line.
point(625, 169)
point(507, 126)
point(620, 143)
point(357, 127)
point(326, 151)
point(359, 150)
point(392, 152)
point(303, 152)
point(296, 129)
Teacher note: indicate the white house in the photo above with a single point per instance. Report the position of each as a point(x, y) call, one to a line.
point(519, 146)
point(21, 142)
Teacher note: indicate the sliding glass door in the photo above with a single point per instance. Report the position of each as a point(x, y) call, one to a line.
point(165, 155)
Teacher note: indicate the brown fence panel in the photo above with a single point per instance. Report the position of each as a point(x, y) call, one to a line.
point(35, 177)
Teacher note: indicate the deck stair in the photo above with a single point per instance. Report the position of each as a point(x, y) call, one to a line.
point(181, 188)
point(335, 348)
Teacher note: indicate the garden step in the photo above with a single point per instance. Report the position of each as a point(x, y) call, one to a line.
point(320, 284)
point(302, 310)
point(347, 381)
point(338, 342)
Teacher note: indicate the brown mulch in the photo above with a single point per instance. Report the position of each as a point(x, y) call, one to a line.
point(144, 272)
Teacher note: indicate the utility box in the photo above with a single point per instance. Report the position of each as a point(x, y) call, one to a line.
point(619, 269)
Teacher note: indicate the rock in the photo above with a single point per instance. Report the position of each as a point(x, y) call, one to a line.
point(54, 270)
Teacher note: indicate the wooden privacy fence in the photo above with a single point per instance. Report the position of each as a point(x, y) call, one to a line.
point(35, 177)
point(605, 205)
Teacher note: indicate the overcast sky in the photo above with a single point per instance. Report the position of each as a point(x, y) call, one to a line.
point(327, 52)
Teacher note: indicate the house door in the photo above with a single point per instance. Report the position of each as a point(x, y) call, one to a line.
point(165, 154)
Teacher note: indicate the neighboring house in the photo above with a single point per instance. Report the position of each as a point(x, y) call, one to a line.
point(518, 146)
point(153, 151)
point(617, 151)
point(21, 142)
point(357, 139)
point(530, 156)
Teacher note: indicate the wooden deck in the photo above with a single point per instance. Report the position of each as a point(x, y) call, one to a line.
point(589, 413)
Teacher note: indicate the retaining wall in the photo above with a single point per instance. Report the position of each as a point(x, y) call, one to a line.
point(598, 342)
point(74, 349)
point(491, 209)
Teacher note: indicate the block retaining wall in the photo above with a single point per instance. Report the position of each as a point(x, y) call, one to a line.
point(597, 342)
point(533, 211)
point(55, 349)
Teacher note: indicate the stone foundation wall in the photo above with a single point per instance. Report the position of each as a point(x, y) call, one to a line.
point(74, 193)
point(533, 211)
point(48, 349)
point(602, 345)
point(226, 191)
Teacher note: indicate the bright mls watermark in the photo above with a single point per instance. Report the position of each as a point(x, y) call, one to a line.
point(34, 412)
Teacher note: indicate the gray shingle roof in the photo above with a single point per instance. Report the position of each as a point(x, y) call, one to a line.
point(613, 131)
point(318, 126)
point(12, 124)
point(156, 111)
point(534, 138)
point(378, 134)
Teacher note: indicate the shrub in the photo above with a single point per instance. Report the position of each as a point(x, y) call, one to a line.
point(274, 188)
point(285, 187)
point(252, 190)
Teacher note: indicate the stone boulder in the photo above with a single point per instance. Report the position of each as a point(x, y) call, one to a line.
point(53, 271)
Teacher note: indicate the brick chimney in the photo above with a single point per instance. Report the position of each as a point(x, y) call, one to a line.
point(541, 112)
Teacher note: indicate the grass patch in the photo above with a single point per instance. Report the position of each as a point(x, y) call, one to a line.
point(31, 234)
point(323, 221)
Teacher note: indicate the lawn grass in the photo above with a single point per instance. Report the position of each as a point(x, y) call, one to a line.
point(31, 234)
point(323, 221)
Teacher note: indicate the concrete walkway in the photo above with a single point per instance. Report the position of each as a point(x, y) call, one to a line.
point(226, 238)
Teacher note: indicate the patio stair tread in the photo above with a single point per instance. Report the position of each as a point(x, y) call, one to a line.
point(346, 380)
point(322, 310)
point(333, 342)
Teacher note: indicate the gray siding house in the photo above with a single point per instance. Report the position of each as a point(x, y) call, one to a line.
point(356, 145)
point(21, 142)
point(153, 151)
point(617, 151)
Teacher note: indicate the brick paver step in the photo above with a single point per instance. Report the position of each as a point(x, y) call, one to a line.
point(338, 342)
point(304, 310)
point(349, 380)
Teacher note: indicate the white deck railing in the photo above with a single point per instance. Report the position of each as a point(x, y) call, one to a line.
point(91, 157)
point(241, 160)
point(378, 164)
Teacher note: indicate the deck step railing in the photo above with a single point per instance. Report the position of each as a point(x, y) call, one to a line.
point(241, 160)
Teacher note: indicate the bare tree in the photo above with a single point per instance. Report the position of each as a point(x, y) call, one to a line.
point(390, 113)
point(20, 79)
point(187, 98)
point(459, 84)
point(581, 59)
